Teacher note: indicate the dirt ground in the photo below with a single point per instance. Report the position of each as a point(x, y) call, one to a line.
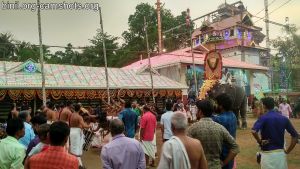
point(246, 159)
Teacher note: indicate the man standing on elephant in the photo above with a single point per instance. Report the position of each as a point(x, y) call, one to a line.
point(228, 120)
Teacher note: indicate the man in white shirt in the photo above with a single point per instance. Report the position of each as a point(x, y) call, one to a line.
point(165, 122)
point(285, 109)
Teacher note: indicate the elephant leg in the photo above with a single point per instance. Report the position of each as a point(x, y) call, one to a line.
point(238, 124)
point(243, 113)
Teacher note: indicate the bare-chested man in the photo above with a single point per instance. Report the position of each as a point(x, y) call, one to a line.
point(182, 151)
point(76, 124)
point(66, 112)
point(50, 113)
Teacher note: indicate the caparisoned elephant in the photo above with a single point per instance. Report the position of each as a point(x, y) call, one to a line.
point(239, 97)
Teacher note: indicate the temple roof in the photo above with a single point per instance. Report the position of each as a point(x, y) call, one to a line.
point(230, 22)
point(183, 56)
point(23, 75)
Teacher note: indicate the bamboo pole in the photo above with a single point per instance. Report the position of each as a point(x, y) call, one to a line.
point(149, 61)
point(41, 53)
point(105, 58)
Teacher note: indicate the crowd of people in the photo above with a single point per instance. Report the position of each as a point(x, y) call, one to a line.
point(52, 137)
point(56, 136)
point(283, 105)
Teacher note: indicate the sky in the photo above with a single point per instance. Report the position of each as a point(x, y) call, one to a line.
point(60, 27)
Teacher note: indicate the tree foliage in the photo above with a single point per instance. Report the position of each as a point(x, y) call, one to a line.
point(6, 46)
point(286, 62)
point(135, 36)
point(288, 48)
point(118, 55)
point(93, 55)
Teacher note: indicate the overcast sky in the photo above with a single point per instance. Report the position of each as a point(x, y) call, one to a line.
point(63, 26)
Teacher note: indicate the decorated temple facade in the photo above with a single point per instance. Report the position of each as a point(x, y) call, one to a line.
point(20, 82)
point(232, 31)
point(178, 66)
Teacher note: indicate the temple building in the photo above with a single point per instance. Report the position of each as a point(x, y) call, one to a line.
point(178, 66)
point(234, 34)
point(229, 30)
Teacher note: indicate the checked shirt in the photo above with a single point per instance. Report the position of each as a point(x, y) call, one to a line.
point(55, 157)
point(212, 137)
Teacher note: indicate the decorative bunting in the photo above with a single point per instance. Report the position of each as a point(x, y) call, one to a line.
point(122, 93)
point(104, 95)
point(56, 94)
point(2, 94)
point(29, 94)
point(113, 93)
point(86, 94)
point(100, 93)
point(40, 94)
point(14, 94)
point(170, 93)
point(162, 93)
point(130, 93)
point(178, 93)
point(148, 93)
point(69, 94)
point(80, 94)
point(155, 93)
point(91, 94)
point(139, 93)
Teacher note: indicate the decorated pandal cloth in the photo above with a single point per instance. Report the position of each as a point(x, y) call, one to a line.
point(80, 94)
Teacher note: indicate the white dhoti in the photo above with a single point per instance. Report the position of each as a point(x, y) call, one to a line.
point(174, 155)
point(149, 148)
point(76, 141)
point(154, 143)
point(275, 159)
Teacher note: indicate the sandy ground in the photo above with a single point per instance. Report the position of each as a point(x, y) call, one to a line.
point(245, 160)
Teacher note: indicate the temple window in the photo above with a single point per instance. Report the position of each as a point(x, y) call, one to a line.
point(231, 32)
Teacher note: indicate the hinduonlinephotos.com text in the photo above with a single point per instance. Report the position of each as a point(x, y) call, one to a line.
point(33, 6)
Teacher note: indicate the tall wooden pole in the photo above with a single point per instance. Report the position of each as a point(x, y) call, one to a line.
point(105, 58)
point(268, 58)
point(149, 61)
point(189, 26)
point(41, 54)
point(159, 27)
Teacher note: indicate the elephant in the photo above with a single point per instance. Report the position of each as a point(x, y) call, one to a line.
point(239, 97)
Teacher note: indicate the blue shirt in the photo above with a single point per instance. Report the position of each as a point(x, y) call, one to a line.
point(29, 135)
point(130, 120)
point(229, 121)
point(272, 126)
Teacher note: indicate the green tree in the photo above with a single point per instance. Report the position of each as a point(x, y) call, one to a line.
point(180, 37)
point(6, 46)
point(93, 55)
point(134, 37)
point(25, 50)
point(287, 56)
